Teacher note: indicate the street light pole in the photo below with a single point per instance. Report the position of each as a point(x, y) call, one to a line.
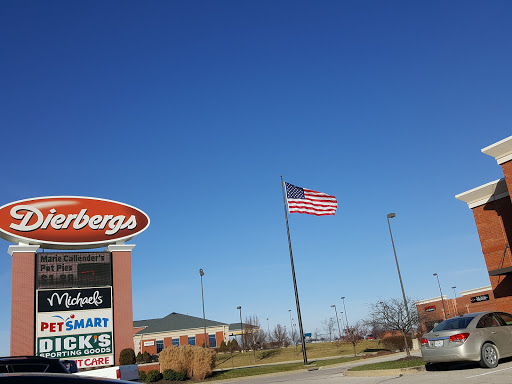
point(455, 301)
point(441, 292)
point(390, 216)
point(268, 329)
point(345, 310)
point(201, 273)
point(337, 320)
point(342, 325)
point(291, 325)
point(241, 328)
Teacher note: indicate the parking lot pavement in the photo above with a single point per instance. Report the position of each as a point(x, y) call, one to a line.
point(458, 374)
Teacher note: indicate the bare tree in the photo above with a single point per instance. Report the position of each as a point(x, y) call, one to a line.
point(317, 335)
point(329, 326)
point(253, 335)
point(279, 335)
point(355, 333)
point(391, 315)
point(294, 335)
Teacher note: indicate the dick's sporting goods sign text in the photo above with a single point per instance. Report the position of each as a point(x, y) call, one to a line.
point(75, 345)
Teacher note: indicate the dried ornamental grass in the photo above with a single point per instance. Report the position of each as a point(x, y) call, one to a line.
point(196, 361)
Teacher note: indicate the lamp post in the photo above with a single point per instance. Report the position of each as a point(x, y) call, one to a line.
point(345, 310)
point(291, 326)
point(268, 329)
point(455, 300)
point(241, 328)
point(390, 216)
point(201, 273)
point(342, 325)
point(337, 320)
point(441, 292)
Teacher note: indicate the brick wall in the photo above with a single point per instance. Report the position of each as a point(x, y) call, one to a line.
point(183, 340)
point(507, 171)
point(122, 295)
point(459, 306)
point(494, 224)
point(219, 337)
point(23, 304)
point(149, 367)
point(167, 342)
point(200, 339)
point(151, 349)
point(466, 306)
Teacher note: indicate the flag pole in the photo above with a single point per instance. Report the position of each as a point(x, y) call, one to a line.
point(299, 317)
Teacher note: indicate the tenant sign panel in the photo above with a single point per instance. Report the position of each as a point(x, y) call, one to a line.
point(74, 315)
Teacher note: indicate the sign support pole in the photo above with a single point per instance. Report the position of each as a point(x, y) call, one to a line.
point(299, 317)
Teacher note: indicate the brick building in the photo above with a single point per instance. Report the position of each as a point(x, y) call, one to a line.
point(177, 329)
point(492, 209)
point(431, 311)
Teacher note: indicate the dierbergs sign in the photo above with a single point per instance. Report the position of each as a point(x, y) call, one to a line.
point(70, 222)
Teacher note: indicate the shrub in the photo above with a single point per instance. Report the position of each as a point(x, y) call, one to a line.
point(223, 347)
point(153, 375)
point(142, 376)
point(394, 343)
point(146, 357)
point(171, 375)
point(234, 345)
point(127, 357)
point(195, 361)
point(138, 359)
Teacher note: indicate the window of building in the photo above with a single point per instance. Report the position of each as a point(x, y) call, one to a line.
point(159, 346)
point(176, 341)
point(191, 340)
point(212, 341)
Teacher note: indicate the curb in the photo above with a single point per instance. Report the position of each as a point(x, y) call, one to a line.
point(385, 372)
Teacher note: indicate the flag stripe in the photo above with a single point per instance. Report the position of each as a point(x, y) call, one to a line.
point(303, 200)
point(297, 203)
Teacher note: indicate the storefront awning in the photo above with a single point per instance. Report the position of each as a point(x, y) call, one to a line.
point(501, 272)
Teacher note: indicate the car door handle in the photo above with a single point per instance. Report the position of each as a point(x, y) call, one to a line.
point(493, 332)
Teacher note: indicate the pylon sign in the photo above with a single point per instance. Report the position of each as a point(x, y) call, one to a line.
point(70, 222)
point(71, 310)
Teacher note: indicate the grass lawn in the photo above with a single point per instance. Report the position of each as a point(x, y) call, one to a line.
point(402, 363)
point(292, 353)
point(243, 372)
point(265, 369)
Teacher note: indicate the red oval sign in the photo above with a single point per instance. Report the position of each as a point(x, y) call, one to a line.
point(70, 222)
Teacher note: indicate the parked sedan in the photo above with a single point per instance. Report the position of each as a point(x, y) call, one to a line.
point(485, 337)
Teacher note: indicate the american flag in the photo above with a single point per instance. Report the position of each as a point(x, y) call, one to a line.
point(303, 200)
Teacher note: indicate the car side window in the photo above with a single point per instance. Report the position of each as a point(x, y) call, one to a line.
point(488, 321)
point(506, 317)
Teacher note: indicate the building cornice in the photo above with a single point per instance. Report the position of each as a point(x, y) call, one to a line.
point(501, 151)
point(179, 332)
point(486, 193)
point(22, 248)
point(475, 290)
point(120, 247)
point(432, 300)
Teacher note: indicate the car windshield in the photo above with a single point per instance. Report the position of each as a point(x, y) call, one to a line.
point(454, 323)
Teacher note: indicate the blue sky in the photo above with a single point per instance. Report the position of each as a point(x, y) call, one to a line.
point(191, 110)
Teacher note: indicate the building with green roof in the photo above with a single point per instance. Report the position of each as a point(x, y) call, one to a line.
point(153, 335)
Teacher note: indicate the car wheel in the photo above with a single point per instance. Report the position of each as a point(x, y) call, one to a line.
point(489, 356)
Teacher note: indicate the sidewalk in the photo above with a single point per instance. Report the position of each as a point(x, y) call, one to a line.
point(367, 360)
